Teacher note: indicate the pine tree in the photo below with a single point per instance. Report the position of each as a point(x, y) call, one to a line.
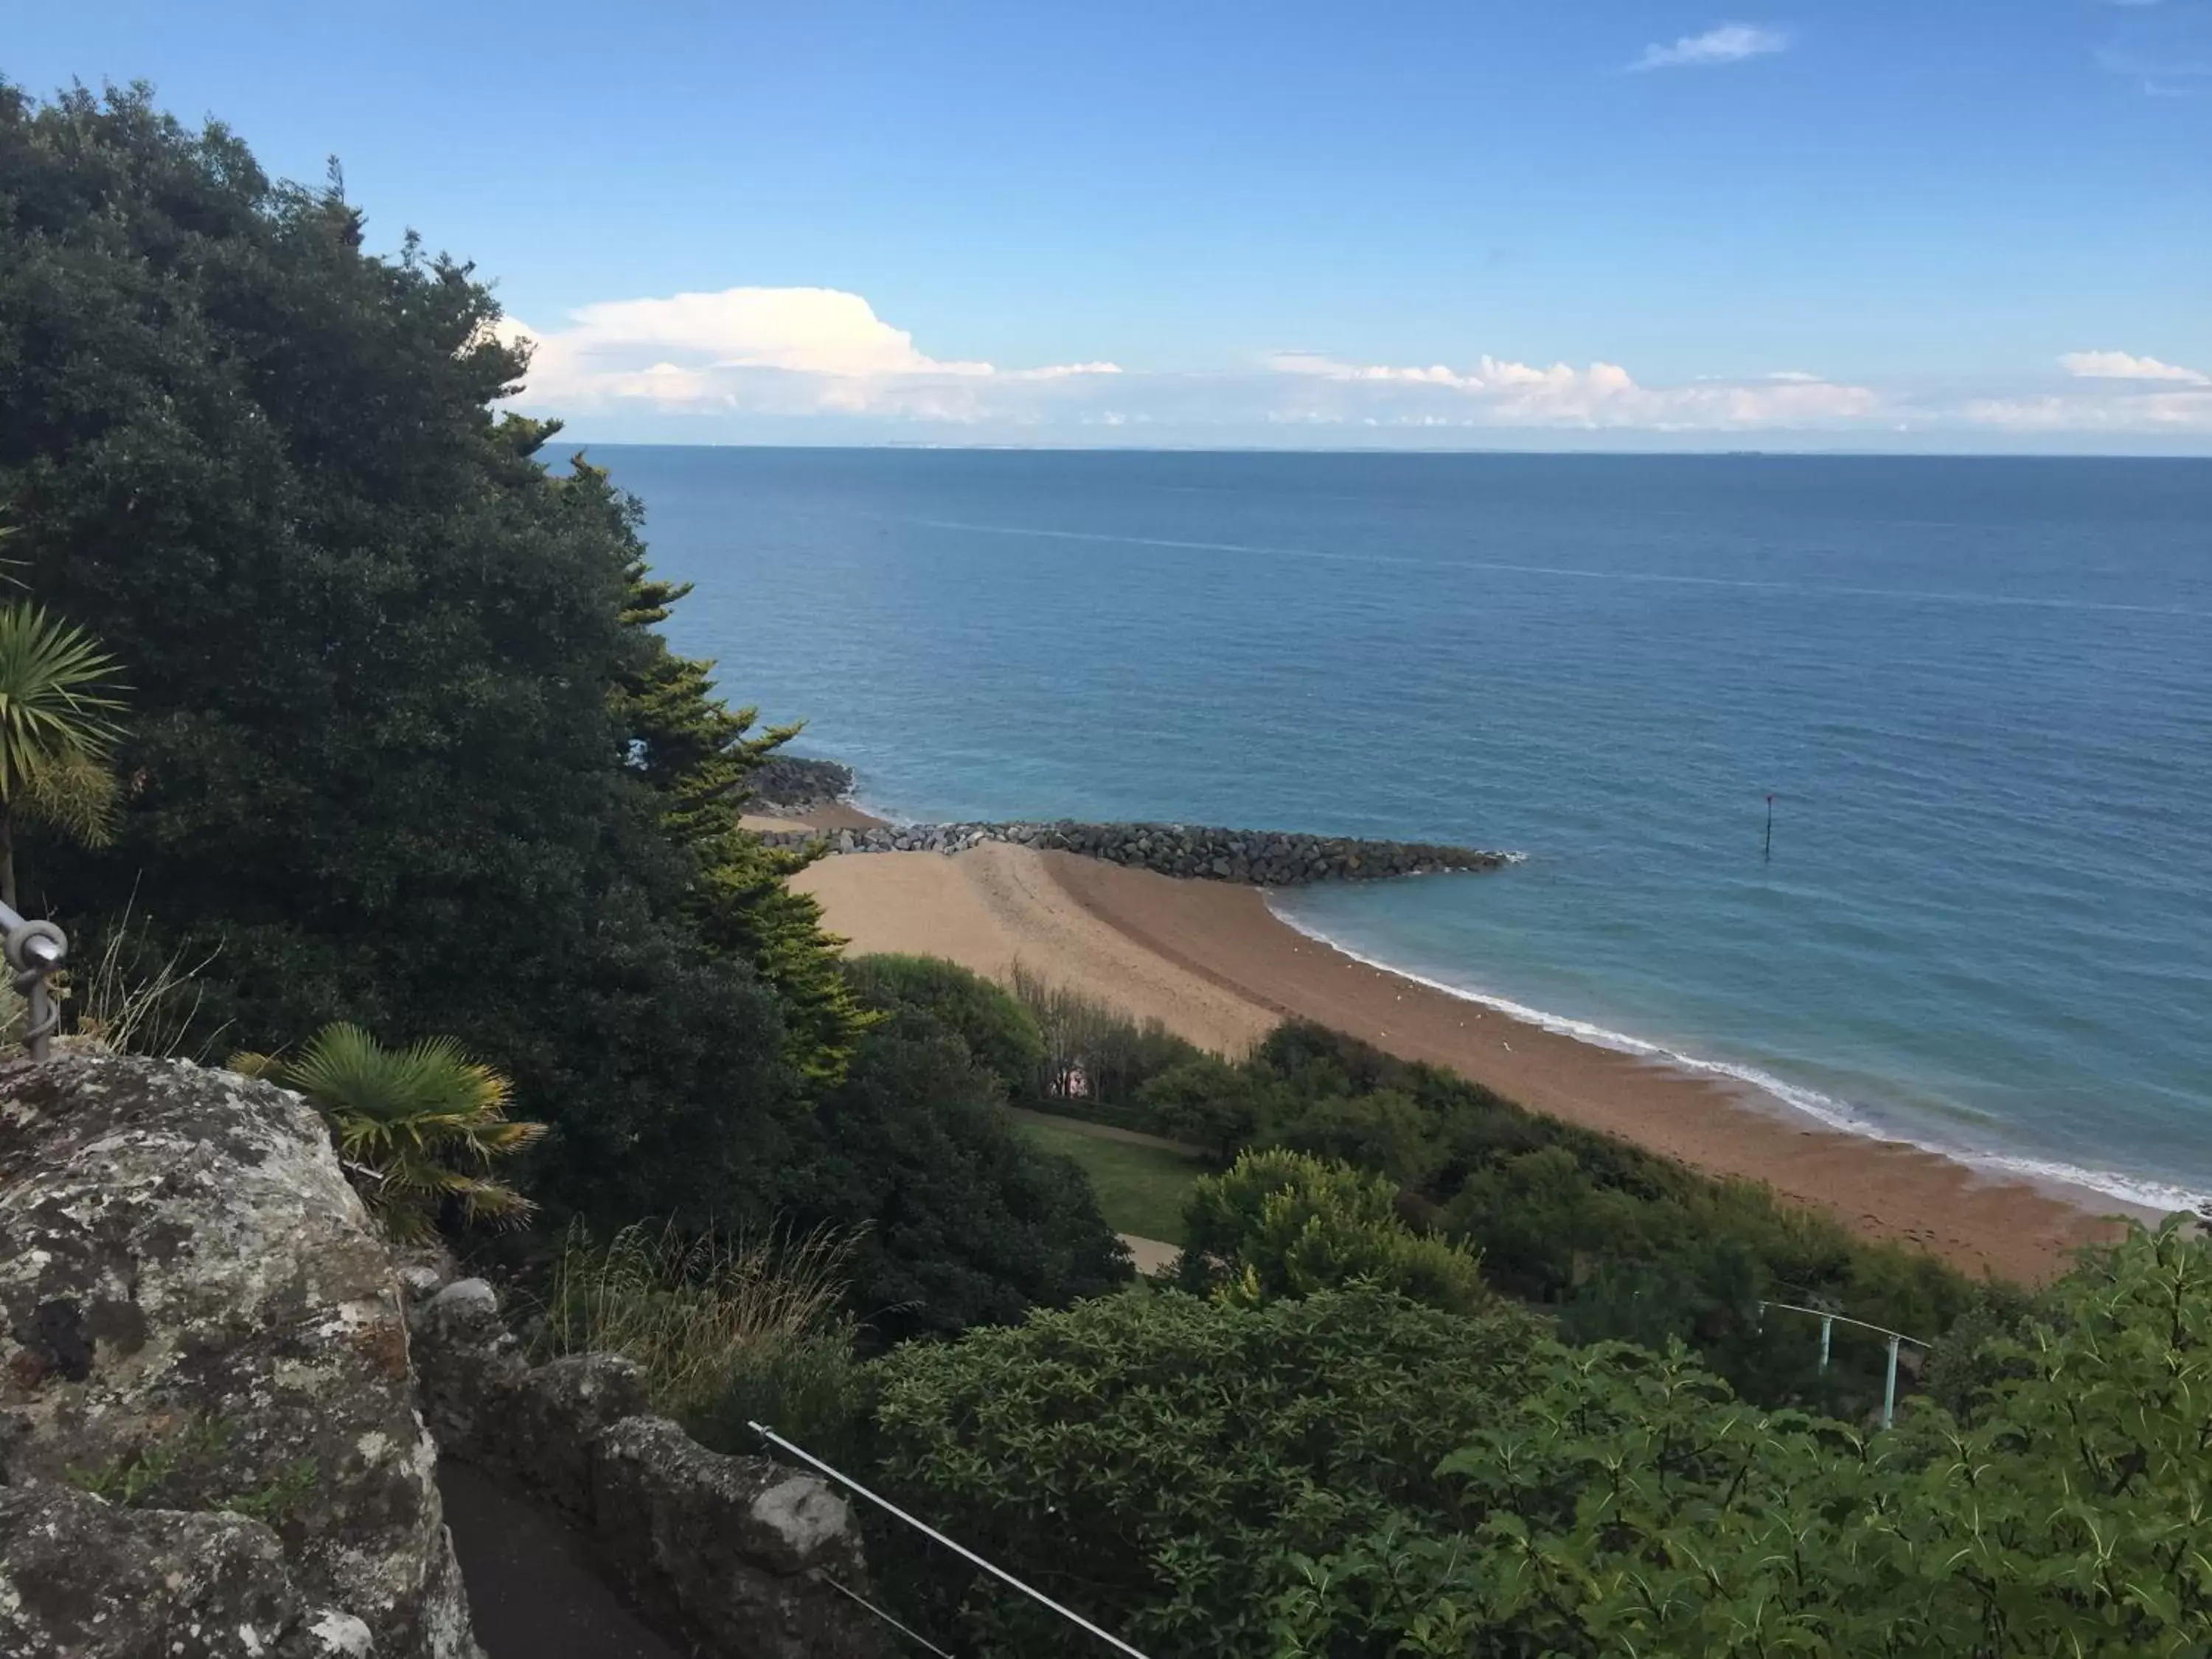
point(696, 753)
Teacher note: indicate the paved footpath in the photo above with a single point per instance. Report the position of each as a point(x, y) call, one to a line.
point(532, 1593)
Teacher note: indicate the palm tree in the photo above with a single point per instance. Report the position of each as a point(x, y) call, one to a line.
point(415, 1126)
point(56, 732)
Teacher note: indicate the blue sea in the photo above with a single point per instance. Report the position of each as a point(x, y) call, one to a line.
point(1980, 691)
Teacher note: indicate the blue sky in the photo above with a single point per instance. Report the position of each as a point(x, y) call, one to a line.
point(1965, 224)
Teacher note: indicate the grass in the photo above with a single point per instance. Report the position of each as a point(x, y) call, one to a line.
point(1141, 1189)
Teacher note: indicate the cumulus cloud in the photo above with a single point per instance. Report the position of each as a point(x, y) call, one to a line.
point(781, 350)
point(1730, 43)
point(2119, 366)
point(1495, 391)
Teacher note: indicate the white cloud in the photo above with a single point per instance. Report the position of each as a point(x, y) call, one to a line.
point(2152, 413)
point(780, 351)
point(1502, 393)
point(2119, 366)
point(1730, 43)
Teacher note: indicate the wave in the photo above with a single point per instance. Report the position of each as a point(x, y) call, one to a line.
point(2140, 1192)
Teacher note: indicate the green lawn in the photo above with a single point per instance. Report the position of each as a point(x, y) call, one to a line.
point(1141, 1188)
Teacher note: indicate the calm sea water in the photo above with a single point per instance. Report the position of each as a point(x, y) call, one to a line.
point(1981, 691)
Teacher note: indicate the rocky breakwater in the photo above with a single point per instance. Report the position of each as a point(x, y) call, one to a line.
point(1259, 858)
point(208, 1442)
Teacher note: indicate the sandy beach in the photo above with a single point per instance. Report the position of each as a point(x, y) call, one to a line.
point(1213, 961)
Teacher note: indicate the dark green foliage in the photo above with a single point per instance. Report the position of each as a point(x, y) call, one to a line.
point(1157, 1461)
point(699, 758)
point(1258, 1483)
point(1626, 1245)
point(1001, 1035)
point(1285, 1223)
point(967, 1222)
point(1386, 1131)
point(389, 685)
point(1209, 1104)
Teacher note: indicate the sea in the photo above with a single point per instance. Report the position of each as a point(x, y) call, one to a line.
point(1883, 786)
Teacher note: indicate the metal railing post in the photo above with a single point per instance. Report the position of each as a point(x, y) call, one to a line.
point(1889, 1386)
point(34, 950)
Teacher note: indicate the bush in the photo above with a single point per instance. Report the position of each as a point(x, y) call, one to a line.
point(1626, 1243)
point(1209, 1104)
point(967, 1222)
point(1386, 1131)
point(1002, 1034)
point(1158, 1462)
point(1357, 1476)
point(1285, 1223)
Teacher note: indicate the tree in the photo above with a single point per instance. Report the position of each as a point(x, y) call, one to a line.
point(57, 732)
point(384, 745)
point(1000, 1035)
point(698, 755)
point(417, 1127)
point(1285, 1223)
point(965, 1223)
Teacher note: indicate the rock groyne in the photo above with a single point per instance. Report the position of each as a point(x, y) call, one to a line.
point(1259, 858)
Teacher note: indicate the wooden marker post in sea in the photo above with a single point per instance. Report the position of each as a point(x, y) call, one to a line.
point(1769, 854)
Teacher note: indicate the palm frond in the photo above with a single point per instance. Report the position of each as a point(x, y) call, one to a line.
point(424, 1120)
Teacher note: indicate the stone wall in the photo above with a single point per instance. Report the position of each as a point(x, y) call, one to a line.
point(206, 1412)
point(1260, 857)
point(727, 1555)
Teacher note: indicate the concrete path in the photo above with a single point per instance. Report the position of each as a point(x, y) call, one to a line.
point(1150, 1255)
point(533, 1591)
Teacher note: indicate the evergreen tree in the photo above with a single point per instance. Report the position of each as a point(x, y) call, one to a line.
point(378, 753)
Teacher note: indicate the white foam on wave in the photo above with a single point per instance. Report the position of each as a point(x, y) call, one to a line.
point(2137, 1191)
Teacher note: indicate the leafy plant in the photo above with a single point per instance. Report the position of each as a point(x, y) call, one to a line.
point(1285, 1224)
point(1000, 1032)
point(420, 1126)
point(57, 731)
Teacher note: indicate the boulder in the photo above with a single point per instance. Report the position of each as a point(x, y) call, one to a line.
point(197, 1315)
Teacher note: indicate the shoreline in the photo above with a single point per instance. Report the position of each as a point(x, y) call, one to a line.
point(1215, 963)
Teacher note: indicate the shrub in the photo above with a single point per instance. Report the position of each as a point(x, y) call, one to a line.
point(1386, 1131)
point(1285, 1224)
point(1209, 1104)
point(967, 1222)
point(1001, 1033)
point(1158, 1461)
point(416, 1127)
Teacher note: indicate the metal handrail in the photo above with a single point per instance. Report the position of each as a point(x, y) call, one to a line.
point(34, 951)
point(928, 1531)
point(1829, 1321)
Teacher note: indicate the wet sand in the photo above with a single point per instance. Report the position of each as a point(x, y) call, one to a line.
point(1211, 960)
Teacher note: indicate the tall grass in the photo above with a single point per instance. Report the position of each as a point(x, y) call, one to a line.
point(1094, 1053)
point(134, 1000)
point(725, 1328)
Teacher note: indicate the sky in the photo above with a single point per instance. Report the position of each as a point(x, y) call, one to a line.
point(1970, 225)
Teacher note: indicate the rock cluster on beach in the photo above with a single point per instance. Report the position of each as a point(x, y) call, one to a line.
point(786, 785)
point(1259, 858)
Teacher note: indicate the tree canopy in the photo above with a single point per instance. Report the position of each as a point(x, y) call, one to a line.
point(405, 748)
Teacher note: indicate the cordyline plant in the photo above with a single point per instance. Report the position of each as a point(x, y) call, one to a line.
point(418, 1127)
